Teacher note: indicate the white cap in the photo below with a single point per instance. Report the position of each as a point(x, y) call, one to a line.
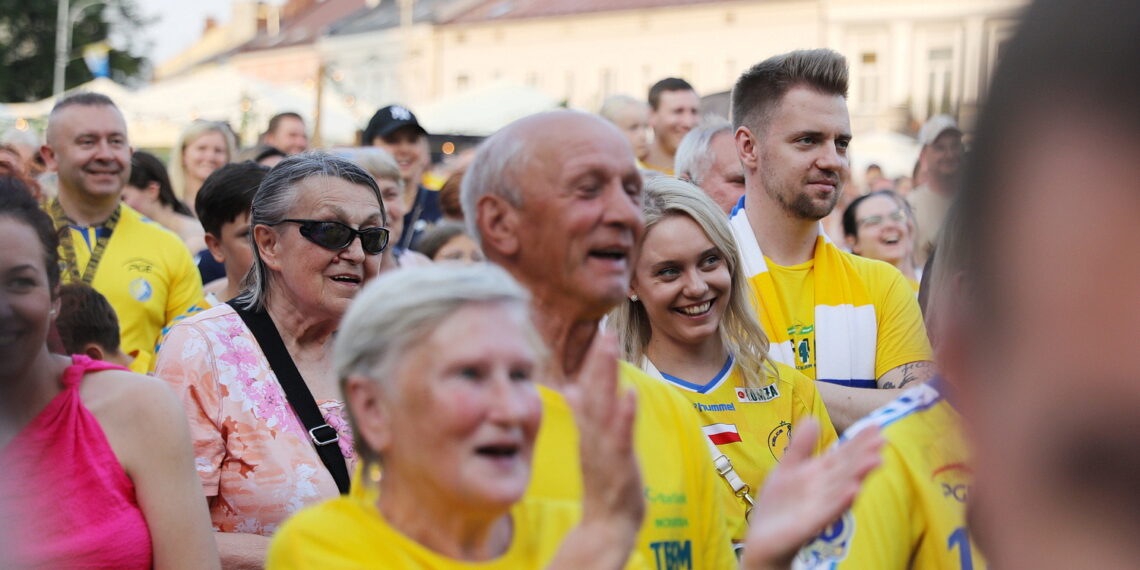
point(935, 126)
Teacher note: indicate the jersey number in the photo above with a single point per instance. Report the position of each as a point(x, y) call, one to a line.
point(961, 540)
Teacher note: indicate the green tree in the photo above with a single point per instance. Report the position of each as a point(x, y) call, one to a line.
point(27, 45)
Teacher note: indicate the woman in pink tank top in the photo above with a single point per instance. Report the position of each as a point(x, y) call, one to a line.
point(97, 470)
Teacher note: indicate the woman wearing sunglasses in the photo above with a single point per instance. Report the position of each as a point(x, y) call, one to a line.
point(256, 375)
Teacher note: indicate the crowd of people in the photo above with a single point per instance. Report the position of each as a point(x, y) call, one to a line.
point(630, 339)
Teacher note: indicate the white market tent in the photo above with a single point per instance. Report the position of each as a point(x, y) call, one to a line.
point(483, 110)
point(158, 112)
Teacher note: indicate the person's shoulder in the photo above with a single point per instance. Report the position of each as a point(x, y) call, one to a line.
point(652, 393)
point(877, 275)
point(148, 235)
point(790, 378)
point(127, 397)
point(905, 410)
point(336, 531)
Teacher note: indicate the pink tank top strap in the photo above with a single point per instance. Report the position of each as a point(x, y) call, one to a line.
point(82, 364)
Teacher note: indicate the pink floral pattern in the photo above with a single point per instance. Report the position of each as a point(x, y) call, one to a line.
point(253, 454)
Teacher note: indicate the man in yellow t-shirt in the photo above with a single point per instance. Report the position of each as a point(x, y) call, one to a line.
point(851, 322)
point(555, 199)
point(911, 512)
point(145, 271)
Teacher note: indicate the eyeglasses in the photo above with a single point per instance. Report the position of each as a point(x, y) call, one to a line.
point(335, 235)
point(872, 221)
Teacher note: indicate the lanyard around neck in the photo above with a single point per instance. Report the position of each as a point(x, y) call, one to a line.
point(71, 262)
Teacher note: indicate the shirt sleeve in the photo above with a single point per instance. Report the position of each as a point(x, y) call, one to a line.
point(902, 333)
point(187, 364)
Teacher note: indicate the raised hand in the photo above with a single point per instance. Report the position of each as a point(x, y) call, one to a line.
point(613, 503)
point(804, 494)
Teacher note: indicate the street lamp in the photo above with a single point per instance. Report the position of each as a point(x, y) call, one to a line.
point(66, 17)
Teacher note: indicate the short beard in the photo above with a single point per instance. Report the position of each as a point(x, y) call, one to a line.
point(801, 206)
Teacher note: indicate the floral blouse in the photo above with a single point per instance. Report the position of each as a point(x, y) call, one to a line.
point(253, 454)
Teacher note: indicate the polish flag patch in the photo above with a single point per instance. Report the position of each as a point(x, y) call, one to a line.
point(721, 434)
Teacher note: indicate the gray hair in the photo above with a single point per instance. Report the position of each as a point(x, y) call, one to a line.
point(493, 172)
point(400, 309)
point(377, 161)
point(615, 104)
point(191, 133)
point(694, 155)
point(277, 193)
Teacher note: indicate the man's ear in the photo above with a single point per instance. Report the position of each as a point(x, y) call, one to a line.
point(215, 246)
point(48, 155)
point(746, 149)
point(152, 189)
point(268, 243)
point(498, 223)
point(369, 411)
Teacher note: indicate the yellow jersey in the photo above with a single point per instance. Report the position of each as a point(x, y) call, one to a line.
point(901, 334)
point(147, 275)
point(350, 532)
point(685, 525)
point(911, 512)
point(752, 425)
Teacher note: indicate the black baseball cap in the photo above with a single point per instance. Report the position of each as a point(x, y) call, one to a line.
point(389, 119)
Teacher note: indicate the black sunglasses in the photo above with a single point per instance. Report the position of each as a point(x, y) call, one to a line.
point(335, 235)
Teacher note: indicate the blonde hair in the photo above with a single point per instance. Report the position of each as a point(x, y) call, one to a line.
point(191, 133)
point(739, 330)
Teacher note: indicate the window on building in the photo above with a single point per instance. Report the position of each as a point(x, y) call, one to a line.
point(940, 97)
point(462, 81)
point(868, 80)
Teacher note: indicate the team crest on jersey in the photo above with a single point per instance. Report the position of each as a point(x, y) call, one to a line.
point(953, 481)
point(778, 439)
point(141, 290)
point(761, 394)
point(831, 545)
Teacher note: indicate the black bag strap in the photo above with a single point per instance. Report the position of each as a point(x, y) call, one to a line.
point(323, 436)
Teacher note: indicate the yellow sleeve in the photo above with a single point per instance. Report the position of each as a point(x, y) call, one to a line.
point(321, 537)
point(902, 334)
point(716, 536)
point(185, 286)
point(875, 533)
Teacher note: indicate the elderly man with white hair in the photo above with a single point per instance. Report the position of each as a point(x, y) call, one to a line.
point(707, 157)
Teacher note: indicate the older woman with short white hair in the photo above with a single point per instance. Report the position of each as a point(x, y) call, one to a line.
point(256, 375)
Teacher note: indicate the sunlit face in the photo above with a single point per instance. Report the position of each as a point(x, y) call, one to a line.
point(1063, 460)
point(205, 154)
point(289, 137)
point(469, 388)
point(581, 213)
point(25, 296)
point(724, 180)
point(683, 281)
point(232, 249)
point(943, 158)
point(802, 153)
point(87, 145)
point(677, 113)
point(633, 120)
point(393, 197)
point(410, 152)
point(314, 279)
point(460, 248)
point(883, 230)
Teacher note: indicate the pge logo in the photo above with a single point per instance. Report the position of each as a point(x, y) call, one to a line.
point(830, 545)
point(673, 554)
point(953, 481)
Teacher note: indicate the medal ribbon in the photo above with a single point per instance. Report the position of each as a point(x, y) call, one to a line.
point(71, 262)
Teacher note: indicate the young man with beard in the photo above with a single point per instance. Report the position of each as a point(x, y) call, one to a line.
point(849, 322)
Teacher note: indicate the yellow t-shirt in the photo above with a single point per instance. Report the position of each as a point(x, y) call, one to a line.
point(147, 275)
point(685, 525)
point(911, 512)
point(350, 532)
point(752, 426)
point(901, 333)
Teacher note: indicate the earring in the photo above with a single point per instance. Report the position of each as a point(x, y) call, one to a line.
point(633, 298)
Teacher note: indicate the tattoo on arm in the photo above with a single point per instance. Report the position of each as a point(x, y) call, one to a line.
point(911, 372)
